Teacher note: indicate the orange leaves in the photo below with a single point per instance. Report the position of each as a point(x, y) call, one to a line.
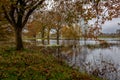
point(33, 28)
point(93, 32)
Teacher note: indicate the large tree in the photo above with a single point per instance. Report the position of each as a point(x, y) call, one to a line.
point(17, 13)
point(65, 12)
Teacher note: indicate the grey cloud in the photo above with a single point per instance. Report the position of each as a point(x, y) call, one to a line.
point(111, 26)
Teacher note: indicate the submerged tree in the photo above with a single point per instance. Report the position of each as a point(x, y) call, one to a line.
point(17, 13)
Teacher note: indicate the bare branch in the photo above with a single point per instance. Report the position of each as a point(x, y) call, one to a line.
point(31, 11)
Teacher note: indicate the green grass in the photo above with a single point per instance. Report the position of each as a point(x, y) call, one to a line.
point(108, 37)
point(33, 65)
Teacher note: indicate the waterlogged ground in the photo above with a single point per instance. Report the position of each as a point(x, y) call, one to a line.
point(102, 61)
point(81, 41)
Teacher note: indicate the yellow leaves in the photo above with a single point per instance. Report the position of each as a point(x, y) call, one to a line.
point(72, 32)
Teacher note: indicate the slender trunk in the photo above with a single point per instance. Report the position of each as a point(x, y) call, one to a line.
point(58, 37)
point(42, 36)
point(85, 37)
point(34, 40)
point(18, 35)
point(48, 37)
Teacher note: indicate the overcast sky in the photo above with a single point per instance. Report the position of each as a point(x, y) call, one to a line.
point(111, 26)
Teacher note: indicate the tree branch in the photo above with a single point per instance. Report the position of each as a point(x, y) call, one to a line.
point(7, 15)
point(11, 14)
point(20, 12)
point(31, 11)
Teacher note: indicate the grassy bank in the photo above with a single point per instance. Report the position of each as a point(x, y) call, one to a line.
point(34, 65)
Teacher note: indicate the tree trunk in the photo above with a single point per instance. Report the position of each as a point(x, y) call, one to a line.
point(42, 36)
point(57, 37)
point(18, 36)
point(48, 37)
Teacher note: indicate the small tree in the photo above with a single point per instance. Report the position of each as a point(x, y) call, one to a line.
point(17, 13)
point(71, 32)
point(33, 28)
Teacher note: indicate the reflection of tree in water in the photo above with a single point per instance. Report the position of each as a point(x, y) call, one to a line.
point(70, 42)
point(74, 54)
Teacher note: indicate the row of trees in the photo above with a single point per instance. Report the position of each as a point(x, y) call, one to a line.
point(60, 15)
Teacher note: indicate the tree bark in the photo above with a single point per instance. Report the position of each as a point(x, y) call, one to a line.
point(18, 36)
point(42, 36)
point(58, 37)
point(48, 37)
point(17, 14)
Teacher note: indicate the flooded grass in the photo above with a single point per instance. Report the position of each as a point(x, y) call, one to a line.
point(85, 58)
point(104, 67)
